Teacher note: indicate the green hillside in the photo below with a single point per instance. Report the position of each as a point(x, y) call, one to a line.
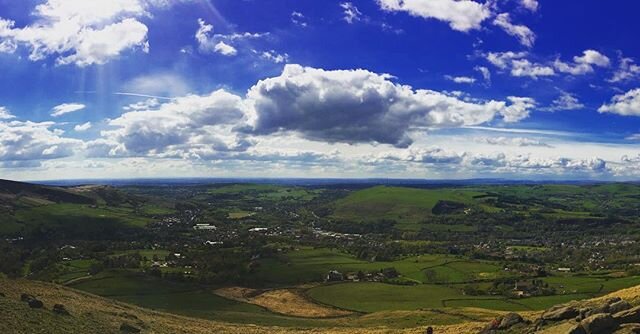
point(408, 206)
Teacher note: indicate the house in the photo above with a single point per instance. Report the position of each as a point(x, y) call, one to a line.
point(204, 227)
point(334, 276)
point(564, 270)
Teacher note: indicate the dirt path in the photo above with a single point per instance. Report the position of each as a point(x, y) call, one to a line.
point(283, 301)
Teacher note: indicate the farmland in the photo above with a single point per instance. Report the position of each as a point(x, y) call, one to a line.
point(331, 256)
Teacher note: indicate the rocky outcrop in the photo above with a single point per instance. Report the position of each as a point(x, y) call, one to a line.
point(60, 309)
point(560, 313)
point(504, 322)
point(631, 315)
point(613, 315)
point(598, 323)
point(31, 300)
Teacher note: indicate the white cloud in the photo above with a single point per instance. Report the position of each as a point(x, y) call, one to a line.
point(160, 84)
point(351, 12)
point(298, 19)
point(503, 60)
point(275, 57)
point(218, 43)
point(518, 65)
point(79, 32)
point(82, 127)
point(462, 15)
point(518, 109)
point(531, 5)
point(627, 104)
point(360, 106)
point(525, 68)
point(511, 141)
point(66, 108)
point(5, 114)
point(225, 49)
point(461, 79)
point(566, 101)
point(522, 32)
point(205, 42)
point(486, 73)
point(627, 70)
point(29, 141)
point(496, 163)
point(583, 64)
point(634, 137)
point(189, 126)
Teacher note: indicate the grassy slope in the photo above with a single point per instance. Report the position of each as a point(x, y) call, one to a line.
point(406, 205)
point(93, 314)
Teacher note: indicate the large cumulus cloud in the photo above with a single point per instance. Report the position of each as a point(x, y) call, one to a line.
point(27, 143)
point(81, 32)
point(356, 106)
point(188, 126)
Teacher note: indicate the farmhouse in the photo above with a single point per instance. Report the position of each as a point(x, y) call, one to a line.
point(204, 227)
point(334, 276)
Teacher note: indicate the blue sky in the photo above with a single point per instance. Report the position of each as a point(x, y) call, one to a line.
point(303, 88)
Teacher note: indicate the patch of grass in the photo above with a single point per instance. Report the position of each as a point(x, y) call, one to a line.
point(408, 206)
point(373, 297)
point(265, 192)
point(156, 210)
point(77, 220)
point(310, 265)
point(240, 214)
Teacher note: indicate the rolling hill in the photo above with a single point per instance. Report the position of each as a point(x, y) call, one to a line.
point(92, 314)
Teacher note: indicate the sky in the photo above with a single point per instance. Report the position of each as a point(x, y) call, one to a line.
point(434, 89)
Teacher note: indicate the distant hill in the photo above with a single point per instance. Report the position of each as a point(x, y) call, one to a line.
point(12, 191)
point(56, 213)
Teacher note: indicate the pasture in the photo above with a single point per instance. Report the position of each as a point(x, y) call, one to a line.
point(408, 206)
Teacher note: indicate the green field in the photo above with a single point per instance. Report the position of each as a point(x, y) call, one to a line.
point(408, 206)
point(310, 265)
point(373, 297)
point(77, 213)
point(196, 301)
point(265, 192)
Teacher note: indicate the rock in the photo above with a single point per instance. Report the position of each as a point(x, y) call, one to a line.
point(31, 300)
point(510, 319)
point(629, 329)
point(127, 328)
point(429, 330)
point(491, 327)
point(60, 309)
point(576, 329)
point(560, 313)
point(34, 303)
point(2, 294)
point(628, 316)
point(619, 306)
point(599, 323)
point(25, 297)
point(604, 308)
point(583, 313)
point(613, 300)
